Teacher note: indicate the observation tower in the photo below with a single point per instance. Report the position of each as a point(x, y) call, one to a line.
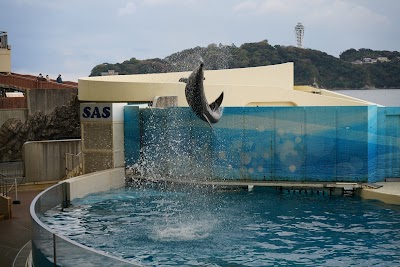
point(299, 31)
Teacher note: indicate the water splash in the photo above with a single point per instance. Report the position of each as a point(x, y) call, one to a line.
point(174, 144)
point(213, 56)
point(183, 230)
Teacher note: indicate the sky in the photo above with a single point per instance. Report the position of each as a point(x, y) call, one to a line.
point(70, 37)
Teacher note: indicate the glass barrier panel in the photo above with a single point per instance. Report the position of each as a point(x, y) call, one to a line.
point(50, 198)
point(70, 253)
point(42, 246)
point(49, 249)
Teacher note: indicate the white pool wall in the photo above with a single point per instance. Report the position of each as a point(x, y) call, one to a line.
point(80, 186)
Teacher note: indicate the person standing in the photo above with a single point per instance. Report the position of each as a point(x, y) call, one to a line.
point(59, 80)
point(47, 78)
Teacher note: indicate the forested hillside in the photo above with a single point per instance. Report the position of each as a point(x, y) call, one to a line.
point(312, 67)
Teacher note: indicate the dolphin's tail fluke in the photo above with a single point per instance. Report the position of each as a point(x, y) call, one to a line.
point(217, 103)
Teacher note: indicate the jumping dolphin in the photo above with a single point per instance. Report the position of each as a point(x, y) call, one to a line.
point(196, 98)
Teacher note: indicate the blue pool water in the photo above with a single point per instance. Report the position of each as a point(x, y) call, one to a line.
point(205, 227)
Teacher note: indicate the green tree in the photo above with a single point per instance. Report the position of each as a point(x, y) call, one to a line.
point(310, 66)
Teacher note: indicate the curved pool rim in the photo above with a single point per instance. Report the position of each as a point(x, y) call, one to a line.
point(79, 187)
point(41, 233)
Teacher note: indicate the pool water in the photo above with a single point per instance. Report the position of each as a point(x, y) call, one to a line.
point(206, 227)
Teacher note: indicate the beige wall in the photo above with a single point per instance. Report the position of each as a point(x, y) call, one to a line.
point(259, 86)
point(331, 94)
point(5, 207)
point(6, 114)
point(46, 100)
point(103, 138)
point(83, 185)
point(5, 60)
point(144, 87)
point(45, 160)
point(388, 193)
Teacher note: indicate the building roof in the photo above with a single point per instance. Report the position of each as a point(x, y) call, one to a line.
point(258, 86)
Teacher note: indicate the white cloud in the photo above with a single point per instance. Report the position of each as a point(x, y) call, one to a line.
point(348, 14)
point(45, 4)
point(266, 6)
point(337, 12)
point(277, 6)
point(168, 2)
point(55, 44)
point(245, 6)
point(128, 9)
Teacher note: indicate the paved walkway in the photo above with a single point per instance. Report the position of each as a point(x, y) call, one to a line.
point(16, 232)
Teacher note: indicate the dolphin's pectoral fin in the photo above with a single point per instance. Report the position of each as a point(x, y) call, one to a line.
point(183, 80)
point(217, 103)
point(209, 123)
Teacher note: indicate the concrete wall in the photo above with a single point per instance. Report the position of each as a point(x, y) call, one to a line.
point(46, 100)
point(5, 207)
point(5, 60)
point(6, 114)
point(102, 126)
point(45, 160)
point(389, 193)
point(83, 185)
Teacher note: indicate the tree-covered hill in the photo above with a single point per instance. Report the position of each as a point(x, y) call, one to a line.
point(311, 66)
point(353, 55)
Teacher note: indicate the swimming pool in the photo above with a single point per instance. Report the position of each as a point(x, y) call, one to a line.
point(164, 226)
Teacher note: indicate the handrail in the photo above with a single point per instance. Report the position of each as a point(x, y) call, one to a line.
point(30, 82)
point(73, 165)
point(6, 187)
point(31, 77)
point(3, 185)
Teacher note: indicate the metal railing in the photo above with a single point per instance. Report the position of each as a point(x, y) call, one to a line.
point(12, 169)
point(7, 185)
point(73, 165)
point(3, 185)
point(29, 82)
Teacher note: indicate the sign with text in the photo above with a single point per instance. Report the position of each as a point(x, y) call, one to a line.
point(96, 112)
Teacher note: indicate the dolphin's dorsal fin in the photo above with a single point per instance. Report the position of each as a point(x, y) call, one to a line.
point(183, 80)
point(217, 103)
point(209, 123)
